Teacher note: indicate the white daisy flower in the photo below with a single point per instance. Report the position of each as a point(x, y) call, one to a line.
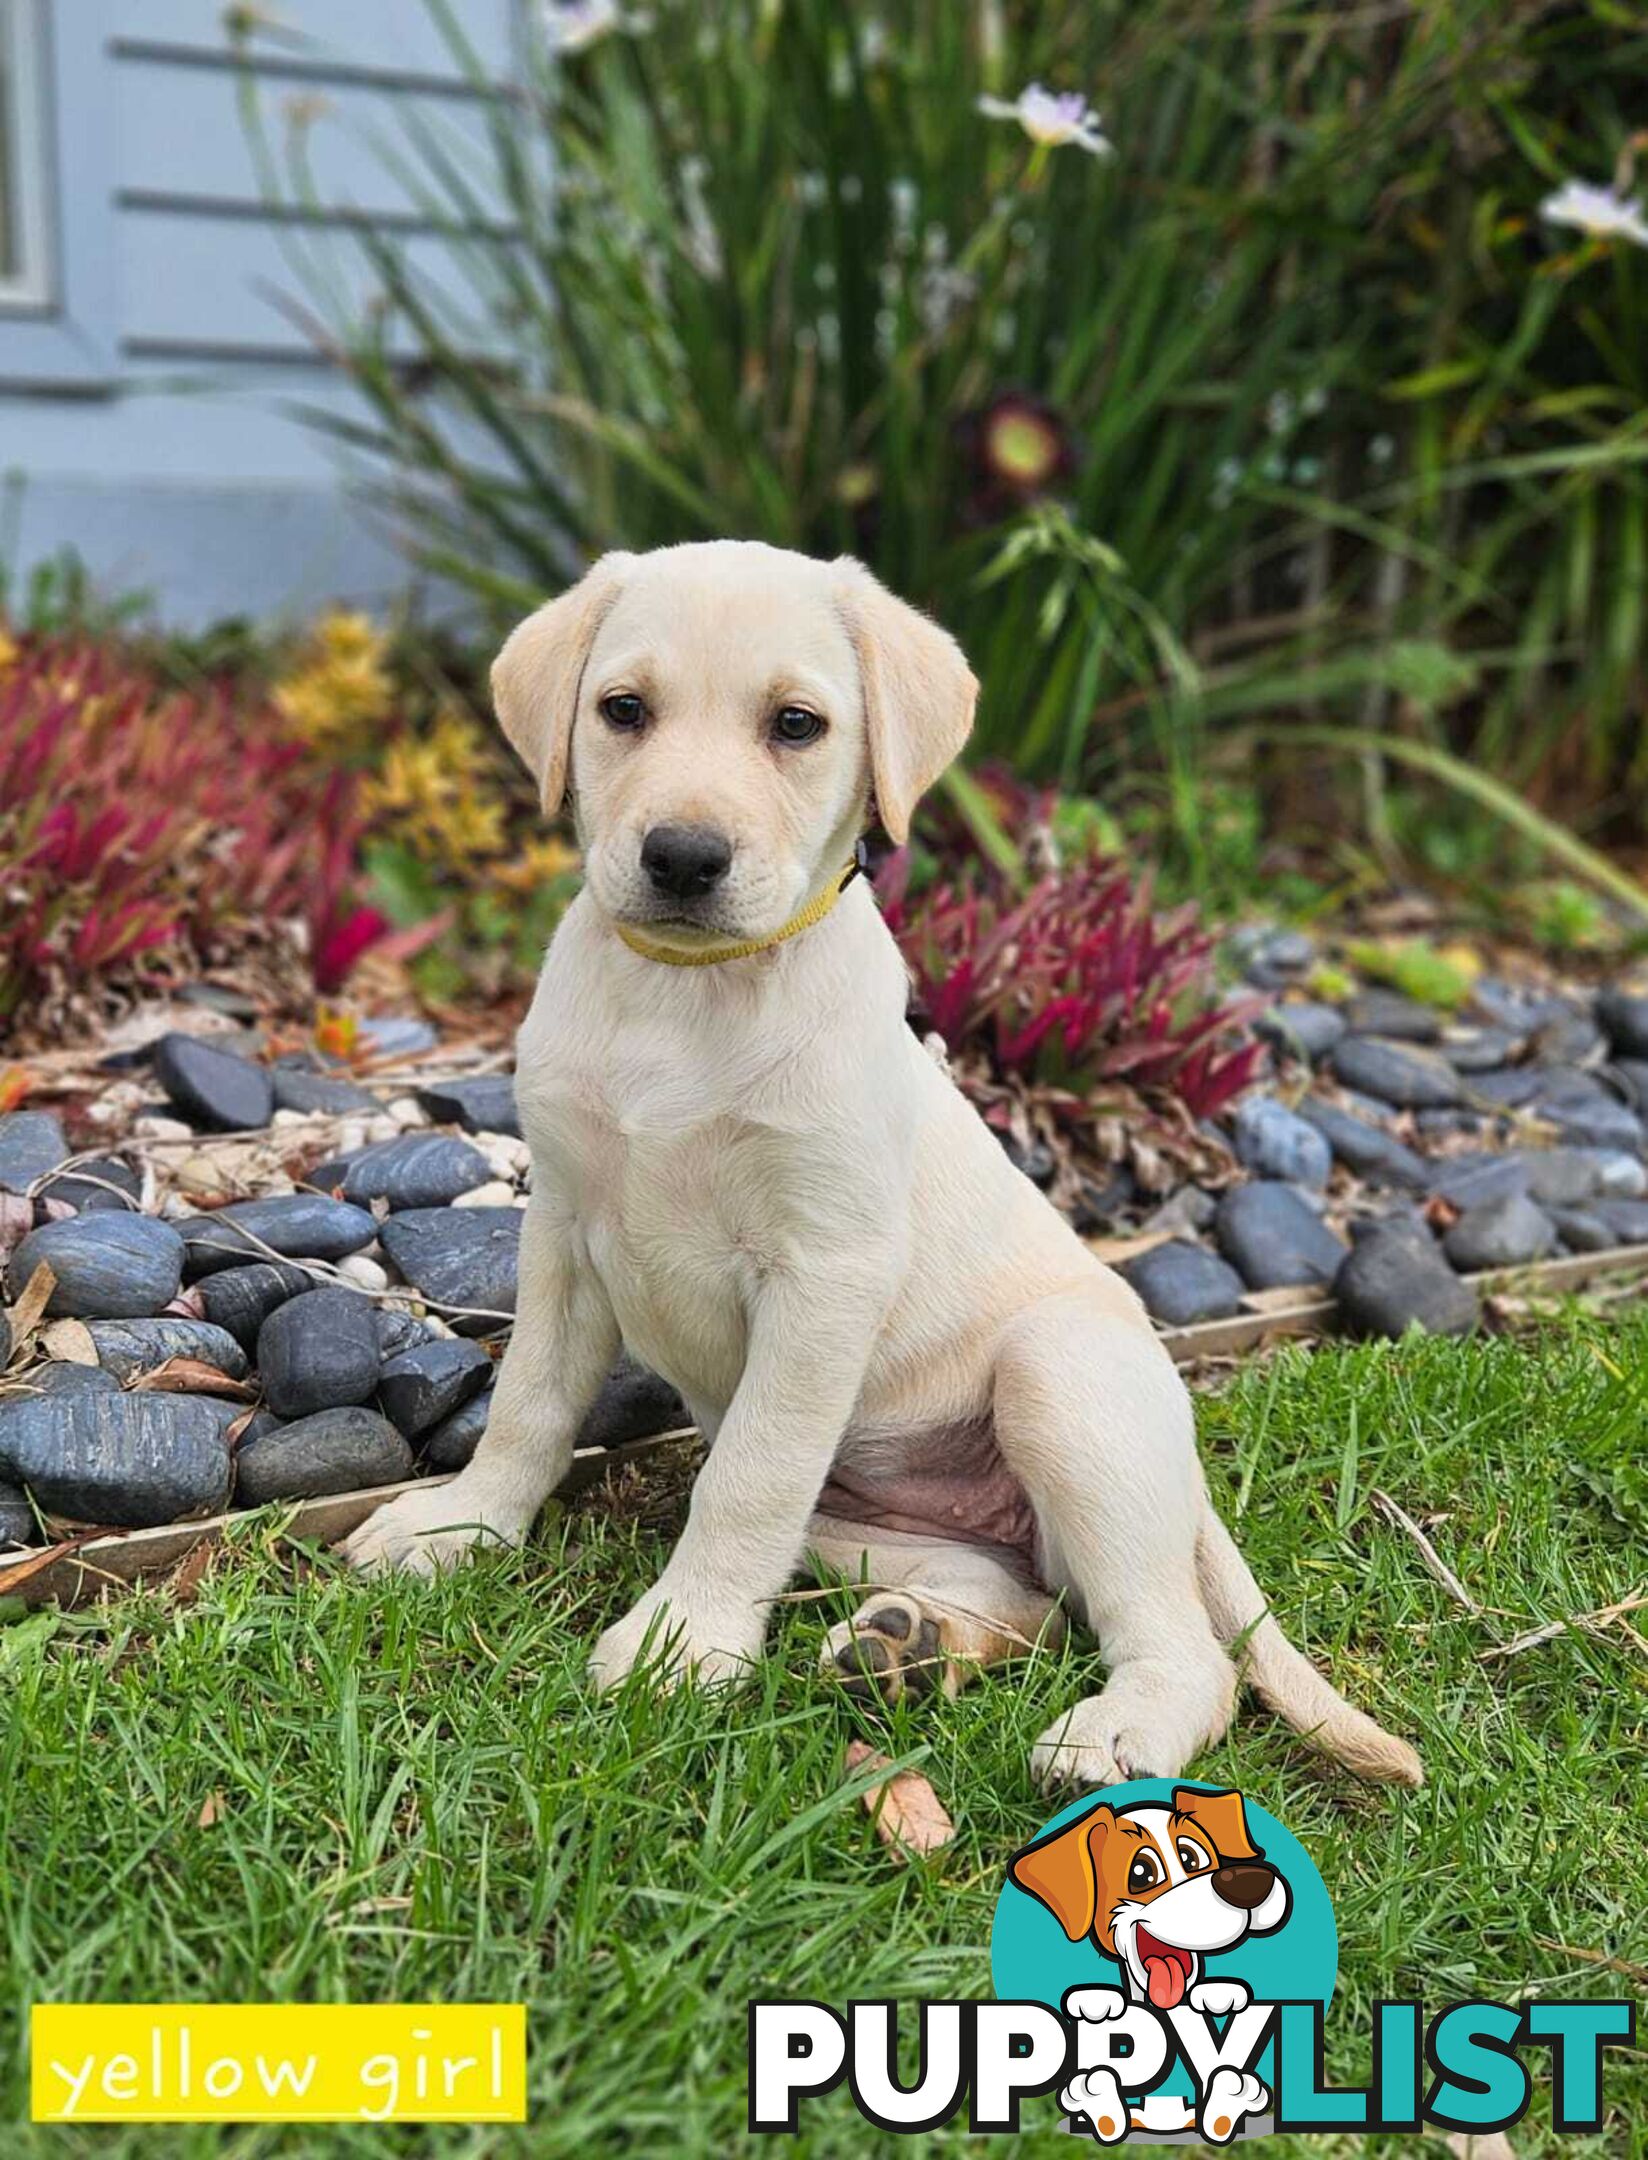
point(572, 26)
point(1051, 118)
point(1602, 212)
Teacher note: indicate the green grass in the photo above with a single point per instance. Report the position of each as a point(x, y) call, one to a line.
point(420, 1797)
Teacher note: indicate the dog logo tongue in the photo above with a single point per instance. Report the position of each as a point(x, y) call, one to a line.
point(1166, 1979)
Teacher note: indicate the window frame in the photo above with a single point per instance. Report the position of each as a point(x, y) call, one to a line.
point(30, 288)
point(68, 340)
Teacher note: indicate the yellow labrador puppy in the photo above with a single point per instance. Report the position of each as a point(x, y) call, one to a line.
point(747, 1167)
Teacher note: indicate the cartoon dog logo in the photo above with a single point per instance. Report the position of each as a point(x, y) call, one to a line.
point(1160, 1889)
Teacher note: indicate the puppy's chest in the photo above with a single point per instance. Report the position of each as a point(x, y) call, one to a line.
point(682, 1205)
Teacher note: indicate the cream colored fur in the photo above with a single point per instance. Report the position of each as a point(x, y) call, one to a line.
point(755, 1176)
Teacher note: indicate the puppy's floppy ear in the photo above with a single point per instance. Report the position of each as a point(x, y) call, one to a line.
point(919, 693)
point(535, 678)
point(1222, 1816)
point(1062, 1871)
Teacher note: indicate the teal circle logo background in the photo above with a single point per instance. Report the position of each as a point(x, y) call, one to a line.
point(1031, 1960)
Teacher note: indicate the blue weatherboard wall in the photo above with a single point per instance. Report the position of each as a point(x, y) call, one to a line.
point(142, 409)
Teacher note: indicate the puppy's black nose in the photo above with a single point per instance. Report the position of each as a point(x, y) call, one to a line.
point(1245, 1885)
point(685, 860)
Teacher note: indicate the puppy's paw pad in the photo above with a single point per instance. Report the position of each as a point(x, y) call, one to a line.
point(891, 1648)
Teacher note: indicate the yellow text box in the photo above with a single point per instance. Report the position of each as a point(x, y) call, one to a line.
point(278, 2062)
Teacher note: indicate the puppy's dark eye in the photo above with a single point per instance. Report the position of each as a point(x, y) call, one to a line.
point(623, 710)
point(793, 725)
point(1144, 1874)
point(1191, 1857)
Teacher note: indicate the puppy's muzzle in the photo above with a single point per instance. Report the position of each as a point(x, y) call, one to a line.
point(684, 862)
point(1246, 1886)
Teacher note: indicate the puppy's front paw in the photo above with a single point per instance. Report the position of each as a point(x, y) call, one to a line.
point(1218, 1998)
point(674, 1645)
point(1097, 2005)
point(423, 1532)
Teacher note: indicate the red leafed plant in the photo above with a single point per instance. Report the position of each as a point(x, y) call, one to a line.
point(1072, 984)
point(145, 825)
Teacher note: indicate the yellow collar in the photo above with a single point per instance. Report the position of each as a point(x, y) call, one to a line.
point(711, 955)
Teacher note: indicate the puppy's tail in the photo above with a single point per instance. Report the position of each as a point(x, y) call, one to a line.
point(1283, 1677)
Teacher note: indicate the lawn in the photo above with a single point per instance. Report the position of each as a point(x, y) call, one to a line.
point(415, 1794)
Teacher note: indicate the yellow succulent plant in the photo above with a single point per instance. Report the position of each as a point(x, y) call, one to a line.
point(440, 794)
point(342, 686)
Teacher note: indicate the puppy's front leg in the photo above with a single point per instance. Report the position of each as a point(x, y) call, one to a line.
point(809, 1345)
point(564, 1343)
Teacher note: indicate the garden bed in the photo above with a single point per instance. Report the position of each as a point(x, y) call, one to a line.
point(241, 1274)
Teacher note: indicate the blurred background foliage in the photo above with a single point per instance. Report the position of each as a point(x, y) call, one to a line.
point(1290, 411)
point(1277, 457)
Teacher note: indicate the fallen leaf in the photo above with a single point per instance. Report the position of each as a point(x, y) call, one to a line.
point(1494, 2146)
point(336, 1032)
point(69, 1342)
point(907, 1813)
point(185, 1580)
point(191, 1376)
point(25, 1314)
point(1113, 1250)
point(22, 1571)
point(15, 1083)
point(189, 1304)
point(210, 1809)
point(1282, 1298)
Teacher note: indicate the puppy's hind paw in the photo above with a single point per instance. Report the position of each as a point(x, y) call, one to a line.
point(891, 1648)
point(1096, 2096)
point(1231, 2096)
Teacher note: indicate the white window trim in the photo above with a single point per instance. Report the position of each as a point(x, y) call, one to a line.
point(22, 34)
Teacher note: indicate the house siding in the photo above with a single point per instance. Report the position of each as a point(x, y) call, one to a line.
point(145, 419)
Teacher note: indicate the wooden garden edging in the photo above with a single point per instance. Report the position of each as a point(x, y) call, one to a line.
point(1315, 1315)
point(125, 1557)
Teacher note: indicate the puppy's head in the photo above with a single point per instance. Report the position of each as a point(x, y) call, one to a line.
point(725, 711)
point(1159, 1889)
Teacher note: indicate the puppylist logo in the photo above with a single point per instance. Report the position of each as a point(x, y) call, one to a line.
point(1164, 1956)
point(1164, 1888)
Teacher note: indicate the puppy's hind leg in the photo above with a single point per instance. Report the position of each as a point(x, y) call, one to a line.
point(937, 1613)
point(1095, 1422)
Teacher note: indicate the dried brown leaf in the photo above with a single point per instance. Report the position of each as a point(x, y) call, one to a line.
point(192, 1376)
point(1113, 1250)
point(22, 1571)
point(191, 1571)
point(25, 1314)
point(907, 1813)
point(69, 1342)
point(211, 1809)
point(1282, 1298)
